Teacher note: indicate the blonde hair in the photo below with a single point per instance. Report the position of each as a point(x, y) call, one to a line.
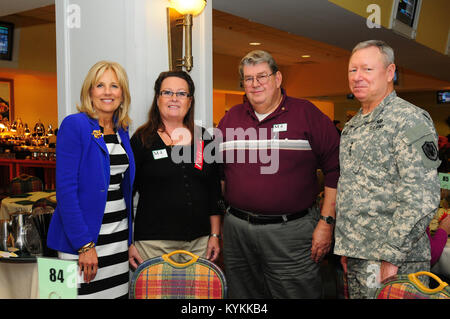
point(121, 116)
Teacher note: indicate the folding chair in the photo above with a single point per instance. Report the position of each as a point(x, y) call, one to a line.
point(25, 183)
point(163, 278)
point(409, 286)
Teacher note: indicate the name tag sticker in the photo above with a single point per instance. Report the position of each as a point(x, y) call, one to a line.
point(158, 154)
point(57, 278)
point(445, 180)
point(280, 127)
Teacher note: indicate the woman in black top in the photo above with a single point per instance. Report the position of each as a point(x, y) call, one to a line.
point(178, 190)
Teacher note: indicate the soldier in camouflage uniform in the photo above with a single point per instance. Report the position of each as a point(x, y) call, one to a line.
point(388, 190)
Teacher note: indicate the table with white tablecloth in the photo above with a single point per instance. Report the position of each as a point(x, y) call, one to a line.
point(19, 278)
point(23, 202)
point(19, 275)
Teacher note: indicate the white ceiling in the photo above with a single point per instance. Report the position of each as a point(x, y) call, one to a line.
point(232, 35)
point(325, 22)
point(13, 6)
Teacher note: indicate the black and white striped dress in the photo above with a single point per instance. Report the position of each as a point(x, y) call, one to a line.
point(112, 276)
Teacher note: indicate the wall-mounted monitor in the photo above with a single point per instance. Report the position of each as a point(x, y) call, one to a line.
point(443, 96)
point(405, 17)
point(6, 40)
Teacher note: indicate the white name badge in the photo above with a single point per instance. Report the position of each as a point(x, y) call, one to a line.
point(158, 154)
point(280, 127)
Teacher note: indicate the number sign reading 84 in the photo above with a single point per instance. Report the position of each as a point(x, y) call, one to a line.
point(57, 278)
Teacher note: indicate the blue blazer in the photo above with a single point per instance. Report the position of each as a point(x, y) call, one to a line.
point(82, 181)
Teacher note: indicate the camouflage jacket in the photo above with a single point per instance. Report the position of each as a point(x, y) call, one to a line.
point(388, 190)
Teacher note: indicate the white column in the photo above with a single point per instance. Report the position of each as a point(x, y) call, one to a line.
point(202, 70)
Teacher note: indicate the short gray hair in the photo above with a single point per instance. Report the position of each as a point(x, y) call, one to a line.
point(256, 57)
point(385, 49)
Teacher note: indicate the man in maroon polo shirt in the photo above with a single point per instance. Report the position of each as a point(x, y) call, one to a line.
point(274, 234)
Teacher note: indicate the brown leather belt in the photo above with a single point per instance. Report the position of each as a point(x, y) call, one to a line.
point(266, 219)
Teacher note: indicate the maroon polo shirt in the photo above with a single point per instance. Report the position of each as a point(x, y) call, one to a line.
point(289, 145)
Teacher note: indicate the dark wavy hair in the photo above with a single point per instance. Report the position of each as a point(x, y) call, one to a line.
point(148, 132)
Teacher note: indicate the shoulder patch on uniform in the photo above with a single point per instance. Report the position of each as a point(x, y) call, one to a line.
point(423, 139)
point(430, 150)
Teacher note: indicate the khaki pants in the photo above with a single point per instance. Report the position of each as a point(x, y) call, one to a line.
point(156, 248)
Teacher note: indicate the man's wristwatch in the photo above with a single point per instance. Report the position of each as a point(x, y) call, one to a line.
point(216, 235)
point(328, 219)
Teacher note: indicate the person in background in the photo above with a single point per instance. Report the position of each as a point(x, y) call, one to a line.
point(439, 239)
point(94, 183)
point(275, 236)
point(444, 154)
point(441, 224)
point(178, 199)
point(388, 190)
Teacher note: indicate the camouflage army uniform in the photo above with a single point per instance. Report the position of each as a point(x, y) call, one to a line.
point(388, 189)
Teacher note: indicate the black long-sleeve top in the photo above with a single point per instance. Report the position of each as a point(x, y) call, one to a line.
point(176, 200)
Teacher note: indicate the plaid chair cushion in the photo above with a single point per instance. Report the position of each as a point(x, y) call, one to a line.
point(44, 203)
point(158, 279)
point(25, 183)
point(405, 287)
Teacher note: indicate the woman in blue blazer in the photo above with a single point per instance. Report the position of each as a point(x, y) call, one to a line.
point(95, 171)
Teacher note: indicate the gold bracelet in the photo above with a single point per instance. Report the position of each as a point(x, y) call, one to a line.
point(86, 247)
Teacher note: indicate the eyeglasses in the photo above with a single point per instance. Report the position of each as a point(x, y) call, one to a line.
point(168, 94)
point(260, 78)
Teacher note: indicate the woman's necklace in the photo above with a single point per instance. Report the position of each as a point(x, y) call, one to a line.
point(170, 138)
point(172, 142)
